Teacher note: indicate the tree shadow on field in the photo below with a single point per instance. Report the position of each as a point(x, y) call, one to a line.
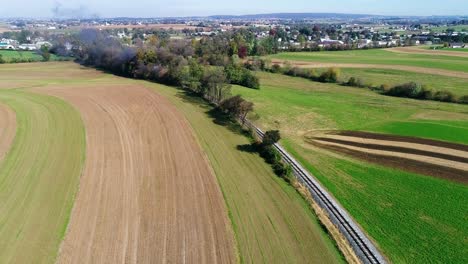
point(249, 148)
point(217, 116)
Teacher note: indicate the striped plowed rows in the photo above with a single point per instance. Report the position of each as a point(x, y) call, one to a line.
point(430, 157)
point(7, 129)
point(147, 193)
point(423, 70)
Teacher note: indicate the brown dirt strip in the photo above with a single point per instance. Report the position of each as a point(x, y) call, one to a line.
point(419, 167)
point(317, 65)
point(428, 159)
point(403, 145)
point(415, 50)
point(147, 193)
point(394, 149)
point(368, 135)
point(7, 129)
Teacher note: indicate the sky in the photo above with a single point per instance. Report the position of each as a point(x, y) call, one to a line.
point(169, 8)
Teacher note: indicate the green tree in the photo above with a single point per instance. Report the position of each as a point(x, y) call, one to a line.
point(216, 87)
point(45, 53)
point(271, 137)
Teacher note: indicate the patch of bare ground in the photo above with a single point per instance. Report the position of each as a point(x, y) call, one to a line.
point(418, 50)
point(317, 65)
point(7, 129)
point(435, 158)
point(147, 193)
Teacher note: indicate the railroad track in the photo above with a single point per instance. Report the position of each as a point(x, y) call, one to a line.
point(362, 246)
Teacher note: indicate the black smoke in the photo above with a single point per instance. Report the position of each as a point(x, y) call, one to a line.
point(59, 11)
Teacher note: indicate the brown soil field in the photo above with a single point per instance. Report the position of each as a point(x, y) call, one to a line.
point(315, 65)
point(147, 193)
point(442, 159)
point(7, 129)
point(416, 50)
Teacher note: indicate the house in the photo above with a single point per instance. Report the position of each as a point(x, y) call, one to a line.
point(6, 46)
point(456, 45)
point(27, 47)
point(329, 42)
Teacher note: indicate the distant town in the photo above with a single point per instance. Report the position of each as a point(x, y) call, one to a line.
point(293, 32)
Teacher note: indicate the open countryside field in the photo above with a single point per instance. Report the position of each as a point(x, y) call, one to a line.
point(380, 57)
point(408, 228)
point(146, 191)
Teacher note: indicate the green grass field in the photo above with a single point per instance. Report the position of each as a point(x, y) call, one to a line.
point(8, 55)
point(272, 222)
point(377, 77)
point(39, 177)
point(413, 218)
point(376, 56)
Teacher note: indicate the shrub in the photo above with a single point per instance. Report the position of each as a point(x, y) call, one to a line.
point(270, 154)
point(276, 68)
point(283, 170)
point(410, 90)
point(444, 96)
point(463, 99)
point(330, 76)
point(355, 82)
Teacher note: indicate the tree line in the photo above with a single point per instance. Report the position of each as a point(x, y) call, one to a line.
point(202, 67)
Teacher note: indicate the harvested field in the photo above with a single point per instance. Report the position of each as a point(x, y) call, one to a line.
point(435, 158)
point(7, 129)
point(419, 50)
point(317, 65)
point(147, 192)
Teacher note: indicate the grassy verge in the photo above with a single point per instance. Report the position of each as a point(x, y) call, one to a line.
point(39, 177)
point(272, 222)
point(413, 218)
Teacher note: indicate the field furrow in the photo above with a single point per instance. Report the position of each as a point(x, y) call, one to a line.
point(7, 129)
point(147, 193)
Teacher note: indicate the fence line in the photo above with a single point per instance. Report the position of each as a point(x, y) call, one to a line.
point(364, 248)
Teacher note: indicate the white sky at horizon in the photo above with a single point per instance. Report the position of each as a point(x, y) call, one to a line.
point(164, 8)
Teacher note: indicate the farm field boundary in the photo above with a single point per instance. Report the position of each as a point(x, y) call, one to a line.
point(317, 65)
point(437, 160)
